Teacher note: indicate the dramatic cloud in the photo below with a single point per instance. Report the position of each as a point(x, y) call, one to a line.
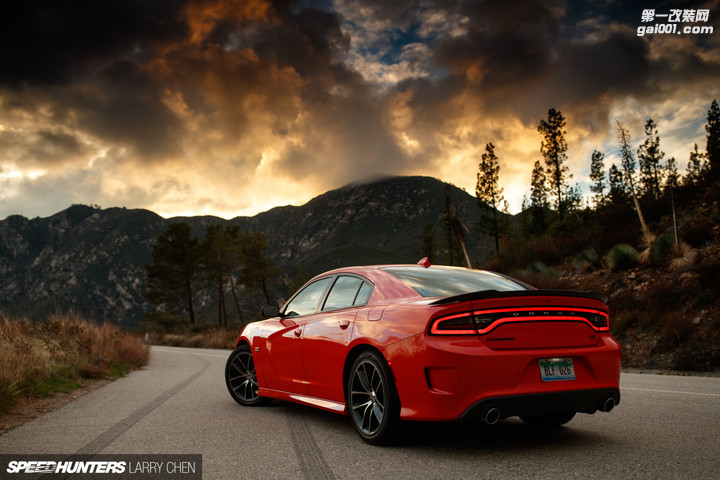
point(234, 106)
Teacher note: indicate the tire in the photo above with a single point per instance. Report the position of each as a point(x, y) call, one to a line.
point(241, 379)
point(548, 420)
point(373, 400)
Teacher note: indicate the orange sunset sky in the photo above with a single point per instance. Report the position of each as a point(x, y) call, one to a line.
point(231, 107)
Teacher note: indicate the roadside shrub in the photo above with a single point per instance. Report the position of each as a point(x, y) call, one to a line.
point(586, 260)
point(540, 275)
point(543, 270)
point(621, 257)
point(682, 258)
point(661, 248)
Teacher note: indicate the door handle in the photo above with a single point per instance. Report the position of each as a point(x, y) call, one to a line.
point(298, 332)
point(344, 324)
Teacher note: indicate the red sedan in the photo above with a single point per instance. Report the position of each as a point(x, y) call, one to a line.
point(420, 342)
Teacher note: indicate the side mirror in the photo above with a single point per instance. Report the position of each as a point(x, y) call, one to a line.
point(270, 311)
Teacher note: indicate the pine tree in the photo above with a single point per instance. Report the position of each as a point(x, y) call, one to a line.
point(428, 242)
point(597, 176)
point(538, 198)
point(672, 178)
point(617, 193)
point(697, 167)
point(524, 226)
point(234, 256)
point(448, 221)
point(627, 158)
point(650, 156)
point(712, 149)
point(553, 149)
point(504, 222)
point(215, 266)
point(488, 192)
point(628, 164)
point(573, 198)
point(228, 254)
point(258, 267)
point(171, 275)
point(298, 280)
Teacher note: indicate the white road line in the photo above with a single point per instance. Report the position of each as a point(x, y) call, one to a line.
point(670, 391)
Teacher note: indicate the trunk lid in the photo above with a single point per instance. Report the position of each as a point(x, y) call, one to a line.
point(526, 319)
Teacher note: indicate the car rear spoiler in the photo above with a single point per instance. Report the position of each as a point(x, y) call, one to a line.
point(485, 294)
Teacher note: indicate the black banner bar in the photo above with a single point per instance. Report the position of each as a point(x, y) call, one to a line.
point(101, 466)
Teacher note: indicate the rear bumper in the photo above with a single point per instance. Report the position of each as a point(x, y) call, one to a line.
point(444, 379)
point(585, 401)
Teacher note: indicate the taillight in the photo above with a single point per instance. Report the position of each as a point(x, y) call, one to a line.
point(599, 320)
point(461, 324)
point(483, 321)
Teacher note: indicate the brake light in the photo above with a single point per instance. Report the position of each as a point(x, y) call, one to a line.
point(461, 324)
point(484, 321)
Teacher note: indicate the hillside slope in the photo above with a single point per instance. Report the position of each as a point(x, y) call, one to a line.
point(92, 260)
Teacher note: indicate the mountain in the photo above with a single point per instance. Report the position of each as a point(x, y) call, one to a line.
point(84, 259)
point(91, 260)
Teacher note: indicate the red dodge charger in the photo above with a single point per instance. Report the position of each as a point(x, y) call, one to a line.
point(421, 342)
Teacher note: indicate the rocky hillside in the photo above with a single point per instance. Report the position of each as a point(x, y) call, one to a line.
point(378, 222)
point(87, 260)
point(92, 260)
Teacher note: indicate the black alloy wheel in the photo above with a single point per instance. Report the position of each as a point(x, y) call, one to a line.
point(373, 400)
point(241, 379)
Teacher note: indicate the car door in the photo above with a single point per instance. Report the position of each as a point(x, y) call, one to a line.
point(283, 362)
point(328, 333)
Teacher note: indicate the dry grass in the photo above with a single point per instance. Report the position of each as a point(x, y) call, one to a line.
point(52, 355)
point(683, 257)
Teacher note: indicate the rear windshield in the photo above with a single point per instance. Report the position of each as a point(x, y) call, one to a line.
point(446, 282)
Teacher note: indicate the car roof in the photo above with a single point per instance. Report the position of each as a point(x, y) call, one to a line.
point(369, 268)
point(391, 286)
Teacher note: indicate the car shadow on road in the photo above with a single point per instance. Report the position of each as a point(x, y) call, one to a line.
point(506, 435)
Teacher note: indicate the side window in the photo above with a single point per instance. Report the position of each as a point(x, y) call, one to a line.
point(307, 300)
point(363, 295)
point(343, 293)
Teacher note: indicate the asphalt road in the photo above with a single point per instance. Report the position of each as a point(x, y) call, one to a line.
point(665, 427)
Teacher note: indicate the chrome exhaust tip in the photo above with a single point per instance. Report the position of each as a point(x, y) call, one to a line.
point(608, 405)
point(492, 416)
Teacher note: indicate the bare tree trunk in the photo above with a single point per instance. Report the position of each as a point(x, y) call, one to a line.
point(265, 290)
point(675, 225)
point(464, 249)
point(497, 234)
point(235, 298)
point(222, 311)
point(191, 309)
point(643, 225)
point(458, 229)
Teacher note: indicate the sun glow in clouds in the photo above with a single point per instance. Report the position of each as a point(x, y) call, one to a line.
point(231, 107)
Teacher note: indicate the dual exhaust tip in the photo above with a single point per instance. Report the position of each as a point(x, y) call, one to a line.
point(608, 405)
point(493, 415)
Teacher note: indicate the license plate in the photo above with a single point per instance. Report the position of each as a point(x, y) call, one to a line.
point(555, 369)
